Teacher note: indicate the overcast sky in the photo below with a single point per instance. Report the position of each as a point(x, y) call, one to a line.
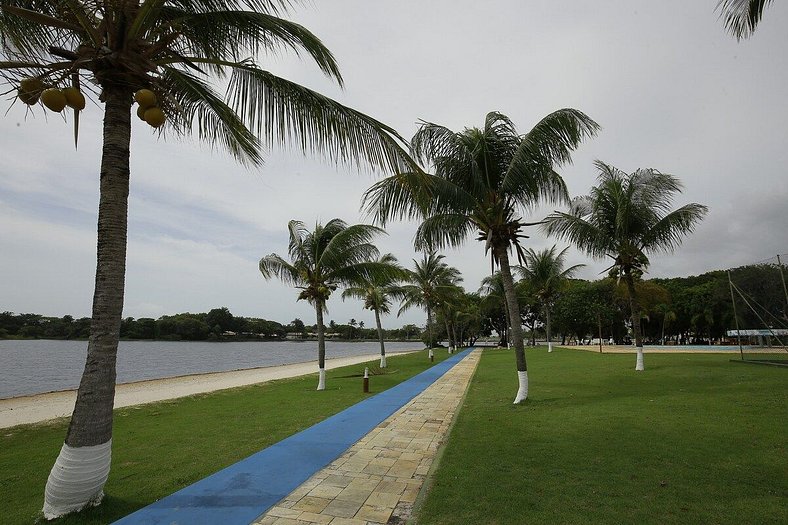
point(669, 87)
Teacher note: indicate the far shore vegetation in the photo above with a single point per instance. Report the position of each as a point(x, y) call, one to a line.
point(679, 310)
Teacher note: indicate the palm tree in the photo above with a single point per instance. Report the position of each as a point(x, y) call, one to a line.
point(376, 291)
point(545, 273)
point(111, 50)
point(626, 217)
point(668, 316)
point(742, 16)
point(448, 300)
point(425, 286)
point(483, 180)
point(321, 260)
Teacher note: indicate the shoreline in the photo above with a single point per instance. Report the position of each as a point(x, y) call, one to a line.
point(37, 408)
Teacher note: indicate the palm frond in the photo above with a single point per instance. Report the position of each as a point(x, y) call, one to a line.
point(286, 113)
point(443, 230)
point(274, 266)
point(586, 236)
point(237, 34)
point(666, 234)
point(195, 107)
point(742, 16)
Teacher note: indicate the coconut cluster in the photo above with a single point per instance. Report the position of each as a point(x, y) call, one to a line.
point(33, 89)
point(148, 109)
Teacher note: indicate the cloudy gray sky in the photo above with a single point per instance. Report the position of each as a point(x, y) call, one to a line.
point(669, 87)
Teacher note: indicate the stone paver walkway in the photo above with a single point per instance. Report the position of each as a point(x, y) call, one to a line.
point(377, 480)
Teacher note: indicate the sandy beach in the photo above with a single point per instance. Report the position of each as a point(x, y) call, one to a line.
point(52, 405)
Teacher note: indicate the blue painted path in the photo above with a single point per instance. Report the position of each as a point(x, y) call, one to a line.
point(243, 491)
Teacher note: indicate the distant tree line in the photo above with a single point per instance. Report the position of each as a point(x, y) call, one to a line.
point(679, 310)
point(219, 324)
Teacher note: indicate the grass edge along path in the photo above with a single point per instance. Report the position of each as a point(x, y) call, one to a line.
point(693, 439)
point(159, 448)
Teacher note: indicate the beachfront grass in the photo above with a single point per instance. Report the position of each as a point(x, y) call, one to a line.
point(693, 439)
point(162, 447)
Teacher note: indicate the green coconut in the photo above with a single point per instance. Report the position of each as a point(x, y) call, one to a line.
point(74, 98)
point(30, 90)
point(154, 116)
point(54, 99)
point(145, 98)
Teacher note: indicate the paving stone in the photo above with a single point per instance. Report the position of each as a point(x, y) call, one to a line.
point(378, 480)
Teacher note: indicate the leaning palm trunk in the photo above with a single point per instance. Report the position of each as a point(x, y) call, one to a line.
point(448, 335)
point(430, 352)
point(380, 336)
point(633, 304)
point(547, 329)
point(321, 347)
point(77, 479)
point(514, 323)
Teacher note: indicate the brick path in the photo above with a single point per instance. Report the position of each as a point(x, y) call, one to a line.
point(378, 479)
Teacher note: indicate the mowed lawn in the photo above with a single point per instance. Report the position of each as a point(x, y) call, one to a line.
point(693, 439)
point(162, 447)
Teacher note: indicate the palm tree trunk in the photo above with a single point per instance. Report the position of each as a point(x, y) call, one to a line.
point(547, 328)
point(77, 479)
point(514, 323)
point(380, 336)
point(457, 342)
point(321, 347)
point(430, 353)
point(633, 304)
point(448, 333)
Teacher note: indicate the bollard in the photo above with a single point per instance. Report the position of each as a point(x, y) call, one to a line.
point(366, 380)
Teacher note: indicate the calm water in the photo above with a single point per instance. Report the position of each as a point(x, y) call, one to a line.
point(33, 367)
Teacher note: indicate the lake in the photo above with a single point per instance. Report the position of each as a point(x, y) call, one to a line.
point(37, 366)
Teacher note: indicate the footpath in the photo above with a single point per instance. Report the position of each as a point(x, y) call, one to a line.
point(364, 465)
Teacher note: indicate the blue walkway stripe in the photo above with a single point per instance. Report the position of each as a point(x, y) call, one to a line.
point(243, 491)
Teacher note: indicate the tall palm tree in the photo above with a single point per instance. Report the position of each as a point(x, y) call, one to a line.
point(110, 50)
point(376, 291)
point(742, 16)
point(545, 273)
point(484, 180)
point(320, 261)
point(425, 286)
point(626, 217)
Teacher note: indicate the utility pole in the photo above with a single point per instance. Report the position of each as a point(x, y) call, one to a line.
point(782, 276)
point(735, 317)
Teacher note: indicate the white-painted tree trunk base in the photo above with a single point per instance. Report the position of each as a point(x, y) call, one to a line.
point(321, 382)
point(431, 354)
point(639, 366)
point(383, 361)
point(549, 346)
point(77, 479)
point(522, 392)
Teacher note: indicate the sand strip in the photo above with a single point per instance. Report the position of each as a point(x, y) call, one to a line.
point(52, 405)
point(626, 349)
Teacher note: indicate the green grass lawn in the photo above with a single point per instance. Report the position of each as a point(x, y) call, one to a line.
point(694, 439)
point(162, 447)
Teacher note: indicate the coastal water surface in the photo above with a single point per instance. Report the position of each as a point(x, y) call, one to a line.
point(37, 366)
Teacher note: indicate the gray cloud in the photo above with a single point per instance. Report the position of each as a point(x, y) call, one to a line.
point(671, 89)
